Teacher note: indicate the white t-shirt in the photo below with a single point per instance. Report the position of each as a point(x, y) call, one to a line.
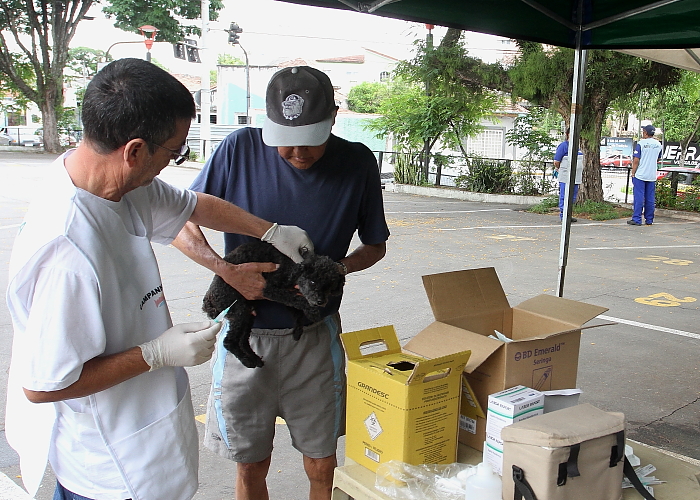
point(648, 151)
point(63, 316)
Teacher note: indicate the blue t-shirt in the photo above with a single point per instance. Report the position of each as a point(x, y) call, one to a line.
point(340, 194)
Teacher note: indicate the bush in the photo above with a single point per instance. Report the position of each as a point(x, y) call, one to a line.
point(407, 168)
point(689, 199)
point(488, 176)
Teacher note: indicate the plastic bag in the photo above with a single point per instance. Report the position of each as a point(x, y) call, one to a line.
point(403, 481)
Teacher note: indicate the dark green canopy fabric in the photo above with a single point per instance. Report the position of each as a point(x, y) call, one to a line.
point(607, 24)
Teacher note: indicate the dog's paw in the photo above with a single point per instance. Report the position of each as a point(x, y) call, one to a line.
point(298, 330)
point(251, 361)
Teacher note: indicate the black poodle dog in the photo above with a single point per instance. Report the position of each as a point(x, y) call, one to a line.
point(317, 277)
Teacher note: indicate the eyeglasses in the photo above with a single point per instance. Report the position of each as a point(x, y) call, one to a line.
point(179, 156)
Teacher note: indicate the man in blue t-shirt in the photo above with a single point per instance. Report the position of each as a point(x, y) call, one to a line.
point(646, 153)
point(295, 172)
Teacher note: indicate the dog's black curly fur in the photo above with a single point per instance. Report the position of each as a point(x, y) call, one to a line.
point(317, 277)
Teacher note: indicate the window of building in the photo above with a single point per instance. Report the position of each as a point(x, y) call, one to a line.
point(384, 76)
point(242, 120)
point(488, 144)
point(15, 119)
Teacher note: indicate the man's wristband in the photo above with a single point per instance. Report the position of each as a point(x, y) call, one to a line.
point(343, 268)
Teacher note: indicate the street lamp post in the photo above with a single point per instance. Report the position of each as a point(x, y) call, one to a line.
point(233, 38)
point(205, 86)
point(149, 36)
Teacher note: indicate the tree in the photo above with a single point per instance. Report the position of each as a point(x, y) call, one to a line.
point(532, 132)
point(229, 59)
point(678, 108)
point(450, 112)
point(544, 77)
point(366, 97)
point(42, 31)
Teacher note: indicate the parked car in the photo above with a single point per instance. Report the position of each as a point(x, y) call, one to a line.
point(616, 161)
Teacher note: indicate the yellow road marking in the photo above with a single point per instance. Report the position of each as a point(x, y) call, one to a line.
point(663, 299)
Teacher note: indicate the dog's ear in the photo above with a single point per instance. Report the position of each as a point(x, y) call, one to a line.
point(338, 286)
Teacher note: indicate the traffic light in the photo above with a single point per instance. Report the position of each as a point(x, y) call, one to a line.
point(179, 50)
point(233, 32)
point(192, 51)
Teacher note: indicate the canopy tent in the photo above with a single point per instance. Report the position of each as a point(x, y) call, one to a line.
point(662, 30)
point(606, 24)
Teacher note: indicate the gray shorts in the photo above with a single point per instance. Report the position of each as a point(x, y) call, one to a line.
point(302, 381)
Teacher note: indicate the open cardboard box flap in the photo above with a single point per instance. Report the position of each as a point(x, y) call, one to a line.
point(567, 311)
point(441, 339)
point(469, 292)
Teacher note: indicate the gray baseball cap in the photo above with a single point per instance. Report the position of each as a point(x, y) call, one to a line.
point(300, 104)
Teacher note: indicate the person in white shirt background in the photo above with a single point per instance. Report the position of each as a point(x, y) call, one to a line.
point(644, 167)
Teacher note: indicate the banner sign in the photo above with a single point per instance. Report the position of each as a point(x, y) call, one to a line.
point(673, 151)
point(616, 151)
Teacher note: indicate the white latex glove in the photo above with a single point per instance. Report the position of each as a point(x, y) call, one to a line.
point(188, 344)
point(290, 240)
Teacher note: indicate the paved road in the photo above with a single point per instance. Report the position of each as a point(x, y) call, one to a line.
point(649, 277)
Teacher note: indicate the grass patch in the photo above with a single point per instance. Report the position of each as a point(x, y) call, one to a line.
point(545, 206)
point(593, 210)
point(596, 210)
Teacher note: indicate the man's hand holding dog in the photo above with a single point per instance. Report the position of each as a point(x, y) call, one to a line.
point(247, 278)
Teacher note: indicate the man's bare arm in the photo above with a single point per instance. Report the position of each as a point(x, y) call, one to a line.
point(218, 214)
point(246, 278)
point(98, 374)
point(364, 256)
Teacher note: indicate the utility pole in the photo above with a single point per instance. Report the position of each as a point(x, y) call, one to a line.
point(428, 54)
point(205, 94)
point(234, 39)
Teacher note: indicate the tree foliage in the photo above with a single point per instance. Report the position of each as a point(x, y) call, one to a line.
point(678, 108)
point(367, 97)
point(544, 76)
point(449, 110)
point(40, 32)
point(166, 15)
point(532, 132)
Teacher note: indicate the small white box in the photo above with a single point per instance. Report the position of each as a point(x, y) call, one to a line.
point(507, 407)
point(494, 457)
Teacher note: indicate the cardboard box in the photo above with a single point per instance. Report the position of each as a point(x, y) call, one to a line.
point(400, 406)
point(505, 408)
point(545, 331)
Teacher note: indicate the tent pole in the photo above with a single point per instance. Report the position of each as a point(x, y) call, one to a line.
point(579, 83)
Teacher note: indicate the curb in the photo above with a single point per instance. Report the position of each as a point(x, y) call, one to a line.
point(673, 214)
point(10, 491)
point(447, 192)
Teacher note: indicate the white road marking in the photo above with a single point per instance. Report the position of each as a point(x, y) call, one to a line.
point(637, 248)
point(652, 327)
point(495, 227)
point(454, 211)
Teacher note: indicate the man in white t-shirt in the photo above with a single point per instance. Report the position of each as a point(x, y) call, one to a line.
point(96, 383)
point(644, 167)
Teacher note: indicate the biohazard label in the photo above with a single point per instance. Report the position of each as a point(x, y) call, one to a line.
point(373, 427)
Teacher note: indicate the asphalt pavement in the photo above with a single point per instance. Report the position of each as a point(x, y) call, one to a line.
point(649, 277)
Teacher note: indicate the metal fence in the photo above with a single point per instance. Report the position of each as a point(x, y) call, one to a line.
point(490, 175)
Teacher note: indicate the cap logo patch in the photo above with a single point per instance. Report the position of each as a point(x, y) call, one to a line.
point(291, 106)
